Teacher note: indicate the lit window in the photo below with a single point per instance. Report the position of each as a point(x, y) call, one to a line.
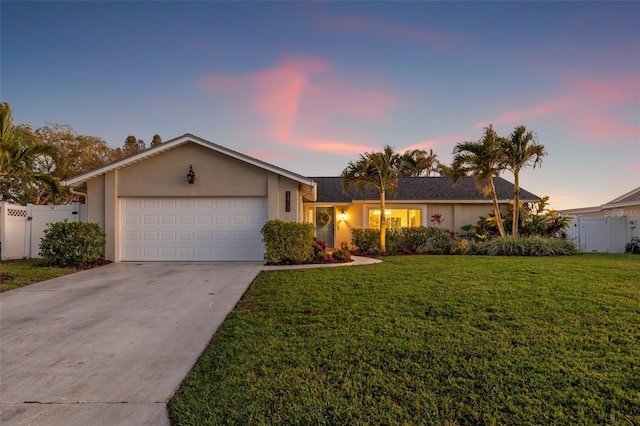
point(396, 218)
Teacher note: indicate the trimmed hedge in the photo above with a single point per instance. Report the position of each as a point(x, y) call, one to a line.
point(287, 242)
point(72, 244)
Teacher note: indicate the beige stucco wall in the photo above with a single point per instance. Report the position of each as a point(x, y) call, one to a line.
point(95, 200)
point(455, 215)
point(216, 175)
point(165, 175)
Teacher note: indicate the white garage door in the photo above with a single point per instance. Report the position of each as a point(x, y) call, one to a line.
point(213, 228)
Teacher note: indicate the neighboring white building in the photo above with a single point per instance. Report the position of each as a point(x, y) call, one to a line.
point(609, 227)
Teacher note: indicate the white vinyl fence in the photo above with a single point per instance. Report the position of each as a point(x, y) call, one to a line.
point(601, 234)
point(22, 227)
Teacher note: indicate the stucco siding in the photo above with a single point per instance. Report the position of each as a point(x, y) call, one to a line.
point(216, 175)
point(470, 213)
point(95, 201)
point(455, 216)
point(284, 185)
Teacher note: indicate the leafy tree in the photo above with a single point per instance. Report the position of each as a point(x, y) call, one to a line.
point(482, 161)
point(132, 145)
point(78, 153)
point(520, 150)
point(157, 140)
point(418, 162)
point(444, 170)
point(25, 167)
point(378, 170)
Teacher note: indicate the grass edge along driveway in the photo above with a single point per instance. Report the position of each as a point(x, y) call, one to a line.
point(427, 340)
point(19, 273)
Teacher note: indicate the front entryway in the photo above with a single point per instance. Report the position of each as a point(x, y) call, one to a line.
point(325, 222)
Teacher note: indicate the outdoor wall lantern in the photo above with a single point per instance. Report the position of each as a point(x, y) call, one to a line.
point(343, 215)
point(191, 175)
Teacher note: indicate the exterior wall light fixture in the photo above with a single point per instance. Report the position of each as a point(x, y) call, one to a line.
point(343, 215)
point(191, 175)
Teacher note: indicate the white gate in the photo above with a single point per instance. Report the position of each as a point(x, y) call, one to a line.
point(598, 234)
point(22, 227)
point(13, 228)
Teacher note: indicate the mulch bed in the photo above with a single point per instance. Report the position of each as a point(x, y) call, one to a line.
point(92, 265)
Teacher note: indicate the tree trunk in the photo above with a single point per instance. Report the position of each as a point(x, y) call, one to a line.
point(516, 203)
point(383, 223)
point(496, 208)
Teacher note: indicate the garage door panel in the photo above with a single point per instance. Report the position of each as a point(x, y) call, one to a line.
point(150, 236)
point(186, 203)
point(211, 228)
point(168, 203)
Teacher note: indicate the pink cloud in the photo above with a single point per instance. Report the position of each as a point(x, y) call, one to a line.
point(269, 155)
point(301, 97)
point(538, 110)
point(603, 129)
point(338, 96)
point(428, 144)
point(386, 28)
point(335, 147)
point(278, 98)
point(589, 106)
point(621, 90)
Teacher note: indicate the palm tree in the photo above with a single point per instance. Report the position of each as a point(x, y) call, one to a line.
point(379, 170)
point(20, 173)
point(520, 150)
point(482, 160)
point(418, 163)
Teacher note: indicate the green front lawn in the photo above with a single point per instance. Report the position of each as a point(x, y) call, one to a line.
point(18, 273)
point(428, 340)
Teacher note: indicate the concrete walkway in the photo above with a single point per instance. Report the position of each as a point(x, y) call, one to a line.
point(110, 345)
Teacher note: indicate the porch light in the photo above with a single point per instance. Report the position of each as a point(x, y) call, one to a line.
point(191, 175)
point(343, 215)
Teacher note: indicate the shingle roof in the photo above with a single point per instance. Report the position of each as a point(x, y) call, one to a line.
point(419, 189)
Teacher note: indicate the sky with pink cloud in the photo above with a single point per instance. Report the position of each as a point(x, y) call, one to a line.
point(309, 86)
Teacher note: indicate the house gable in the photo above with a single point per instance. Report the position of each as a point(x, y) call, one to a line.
point(82, 178)
point(215, 173)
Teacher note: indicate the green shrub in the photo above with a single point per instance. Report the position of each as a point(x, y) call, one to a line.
point(527, 246)
point(464, 246)
point(73, 244)
point(440, 239)
point(342, 255)
point(287, 242)
point(365, 240)
point(414, 240)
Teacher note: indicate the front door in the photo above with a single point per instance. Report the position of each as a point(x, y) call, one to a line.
point(325, 219)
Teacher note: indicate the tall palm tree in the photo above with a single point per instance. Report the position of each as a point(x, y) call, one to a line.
point(379, 170)
point(520, 150)
point(418, 163)
point(19, 170)
point(482, 160)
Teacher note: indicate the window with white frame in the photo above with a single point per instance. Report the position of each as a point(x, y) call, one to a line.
point(396, 218)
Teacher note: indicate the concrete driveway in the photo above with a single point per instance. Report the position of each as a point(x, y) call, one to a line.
point(110, 345)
